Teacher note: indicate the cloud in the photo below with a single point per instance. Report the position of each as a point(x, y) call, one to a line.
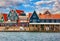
point(52, 5)
point(26, 5)
point(42, 9)
point(43, 2)
point(8, 3)
point(56, 6)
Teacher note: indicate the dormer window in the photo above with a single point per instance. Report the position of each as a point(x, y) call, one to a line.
point(34, 20)
point(34, 16)
point(47, 12)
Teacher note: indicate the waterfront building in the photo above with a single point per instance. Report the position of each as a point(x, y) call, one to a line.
point(47, 17)
point(5, 17)
point(12, 18)
point(13, 15)
point(32, 21)
point(47, 21)
point(34, 18)
point(23, 20)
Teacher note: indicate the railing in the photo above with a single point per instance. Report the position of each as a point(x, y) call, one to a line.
point(14, 24)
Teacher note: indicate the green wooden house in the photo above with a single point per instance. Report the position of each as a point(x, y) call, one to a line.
point(12, 16)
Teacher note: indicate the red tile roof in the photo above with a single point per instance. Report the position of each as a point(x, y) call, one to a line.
point(51, 16)
point(19, 11)
point(48, 15)
point(5, 17)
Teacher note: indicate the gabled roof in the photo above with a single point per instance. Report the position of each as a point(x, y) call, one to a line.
point(19, 12)
point(34, 18)
point(12, 15)
point(47, 12)
point(48, 15)
point(34, 14)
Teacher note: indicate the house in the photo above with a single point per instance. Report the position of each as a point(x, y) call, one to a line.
point(23, 20)
point(12, 16)
point(34, 18)
point(18, 17)
point(45, 21)
point(47, 17)
point(5, 16)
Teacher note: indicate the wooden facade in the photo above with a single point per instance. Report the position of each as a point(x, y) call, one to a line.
point(33, 23)
point(44, 24)
point(45, 27)
point(34, 18)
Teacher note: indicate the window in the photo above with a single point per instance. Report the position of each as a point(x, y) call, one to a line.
point(40, 20)
point(50, 20)
point(30, 20)
point(54, 21)
point(34, 16)
point(57, 20)
point(47, 20)
point(44, 21)
point(35, 20)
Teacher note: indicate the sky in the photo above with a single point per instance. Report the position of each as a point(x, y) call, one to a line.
point(39, 6)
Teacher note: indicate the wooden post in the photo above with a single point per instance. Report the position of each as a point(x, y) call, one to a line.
point(59, 27)
point(39, 27)
point(54, 27)
point(29, 27)
point(44, 28)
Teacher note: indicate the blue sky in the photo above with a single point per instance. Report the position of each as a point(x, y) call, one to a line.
point(30, 5)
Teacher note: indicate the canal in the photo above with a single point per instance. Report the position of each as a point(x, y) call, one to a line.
point(29, 36)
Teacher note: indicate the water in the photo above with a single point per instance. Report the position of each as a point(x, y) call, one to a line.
point(29, 36)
